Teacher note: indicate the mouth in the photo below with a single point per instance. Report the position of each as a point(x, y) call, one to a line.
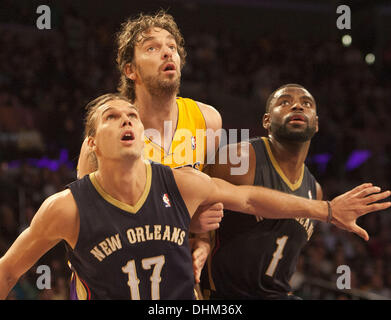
point(297, 119)
point(169, 67)
point(127, 136)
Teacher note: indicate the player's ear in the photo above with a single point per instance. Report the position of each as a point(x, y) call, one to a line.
point(129, 71)
point(266, 121)
point(91, 143)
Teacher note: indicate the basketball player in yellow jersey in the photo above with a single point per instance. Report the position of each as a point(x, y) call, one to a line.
point(150, 58)
point(188, 146)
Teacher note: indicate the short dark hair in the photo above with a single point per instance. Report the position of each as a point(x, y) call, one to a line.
point(289, 85)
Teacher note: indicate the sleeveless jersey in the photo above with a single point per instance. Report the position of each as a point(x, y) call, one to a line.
point(132, 252)
point(254, 258)
point(188, 146)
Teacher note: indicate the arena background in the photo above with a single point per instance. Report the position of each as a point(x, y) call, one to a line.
point(238, 52)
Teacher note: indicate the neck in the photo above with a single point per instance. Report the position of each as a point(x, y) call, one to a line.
point(159, 113)
point(155, 109)
point(290, 156)
point(124, 181)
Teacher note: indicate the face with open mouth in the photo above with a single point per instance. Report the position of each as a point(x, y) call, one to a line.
point(292, 115)
point(127, 137)
point(169, 68)
point(296, 120)
point(157, 62)
point(119, 131)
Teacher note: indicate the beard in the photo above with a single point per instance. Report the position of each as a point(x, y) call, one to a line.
point(283, 133)
point(161, 87)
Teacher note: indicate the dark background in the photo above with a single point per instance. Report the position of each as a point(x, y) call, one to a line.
point(238, 53)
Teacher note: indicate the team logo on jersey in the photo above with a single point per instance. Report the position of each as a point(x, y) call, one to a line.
point(310, 194)
point(193, 142)
point(166, 200)
point(196, 165)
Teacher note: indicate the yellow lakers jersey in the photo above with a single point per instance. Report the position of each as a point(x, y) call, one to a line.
point(188, 146)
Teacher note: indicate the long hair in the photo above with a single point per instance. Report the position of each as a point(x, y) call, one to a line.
point(129, 36)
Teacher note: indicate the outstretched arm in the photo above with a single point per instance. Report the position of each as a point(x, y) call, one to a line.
point(273, 204)
point(51, 224)
point(346, 208)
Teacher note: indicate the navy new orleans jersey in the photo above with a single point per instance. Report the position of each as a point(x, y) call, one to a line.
point(132, 252)
point(254, 258)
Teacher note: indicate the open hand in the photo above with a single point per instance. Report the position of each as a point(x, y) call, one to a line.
point(355, 203)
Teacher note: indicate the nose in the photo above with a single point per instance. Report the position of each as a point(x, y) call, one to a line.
point(167, 53)
point(126, 121)
point(297, 106)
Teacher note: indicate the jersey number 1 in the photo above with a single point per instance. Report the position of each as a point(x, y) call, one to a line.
point(277, 255)
point(133, 282)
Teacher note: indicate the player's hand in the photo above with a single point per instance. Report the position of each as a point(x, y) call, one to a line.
point(201, 249)
point(207, 218)
point(355, 203)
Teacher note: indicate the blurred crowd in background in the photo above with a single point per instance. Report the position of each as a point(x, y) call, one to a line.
point(47, 77)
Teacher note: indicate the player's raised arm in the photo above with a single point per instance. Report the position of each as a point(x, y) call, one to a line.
point(199, 189)
point(56, 219)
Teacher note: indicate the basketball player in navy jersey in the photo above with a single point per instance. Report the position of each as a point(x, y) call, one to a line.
point(126, 225)
point(268, 249)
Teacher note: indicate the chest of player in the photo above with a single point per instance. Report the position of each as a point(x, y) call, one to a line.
point(122, 248)
point(106, 228)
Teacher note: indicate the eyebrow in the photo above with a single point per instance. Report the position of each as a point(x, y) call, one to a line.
point(107, 109)
point(308, 98)
point(284, 96)
point(151, 38)
point(301, 97)
point(111, 108)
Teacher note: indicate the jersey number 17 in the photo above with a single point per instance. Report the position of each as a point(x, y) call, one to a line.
point(133, 281)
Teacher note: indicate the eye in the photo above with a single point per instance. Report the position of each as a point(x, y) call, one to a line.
point(285, 102)
point(172, 47)
point(151, 49)
point(307, 104)
point(132, 115)
point(110, 116)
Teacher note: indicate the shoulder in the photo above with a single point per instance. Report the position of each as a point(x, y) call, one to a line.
point(190, 179)
point(235, 163)
point(61, 202)
point(184, 173)
point(212, 117)
point(241, 149)
point(233, 153)
point(318, 187)
point(194, 186)
point(58, 216)
point(319, 191)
